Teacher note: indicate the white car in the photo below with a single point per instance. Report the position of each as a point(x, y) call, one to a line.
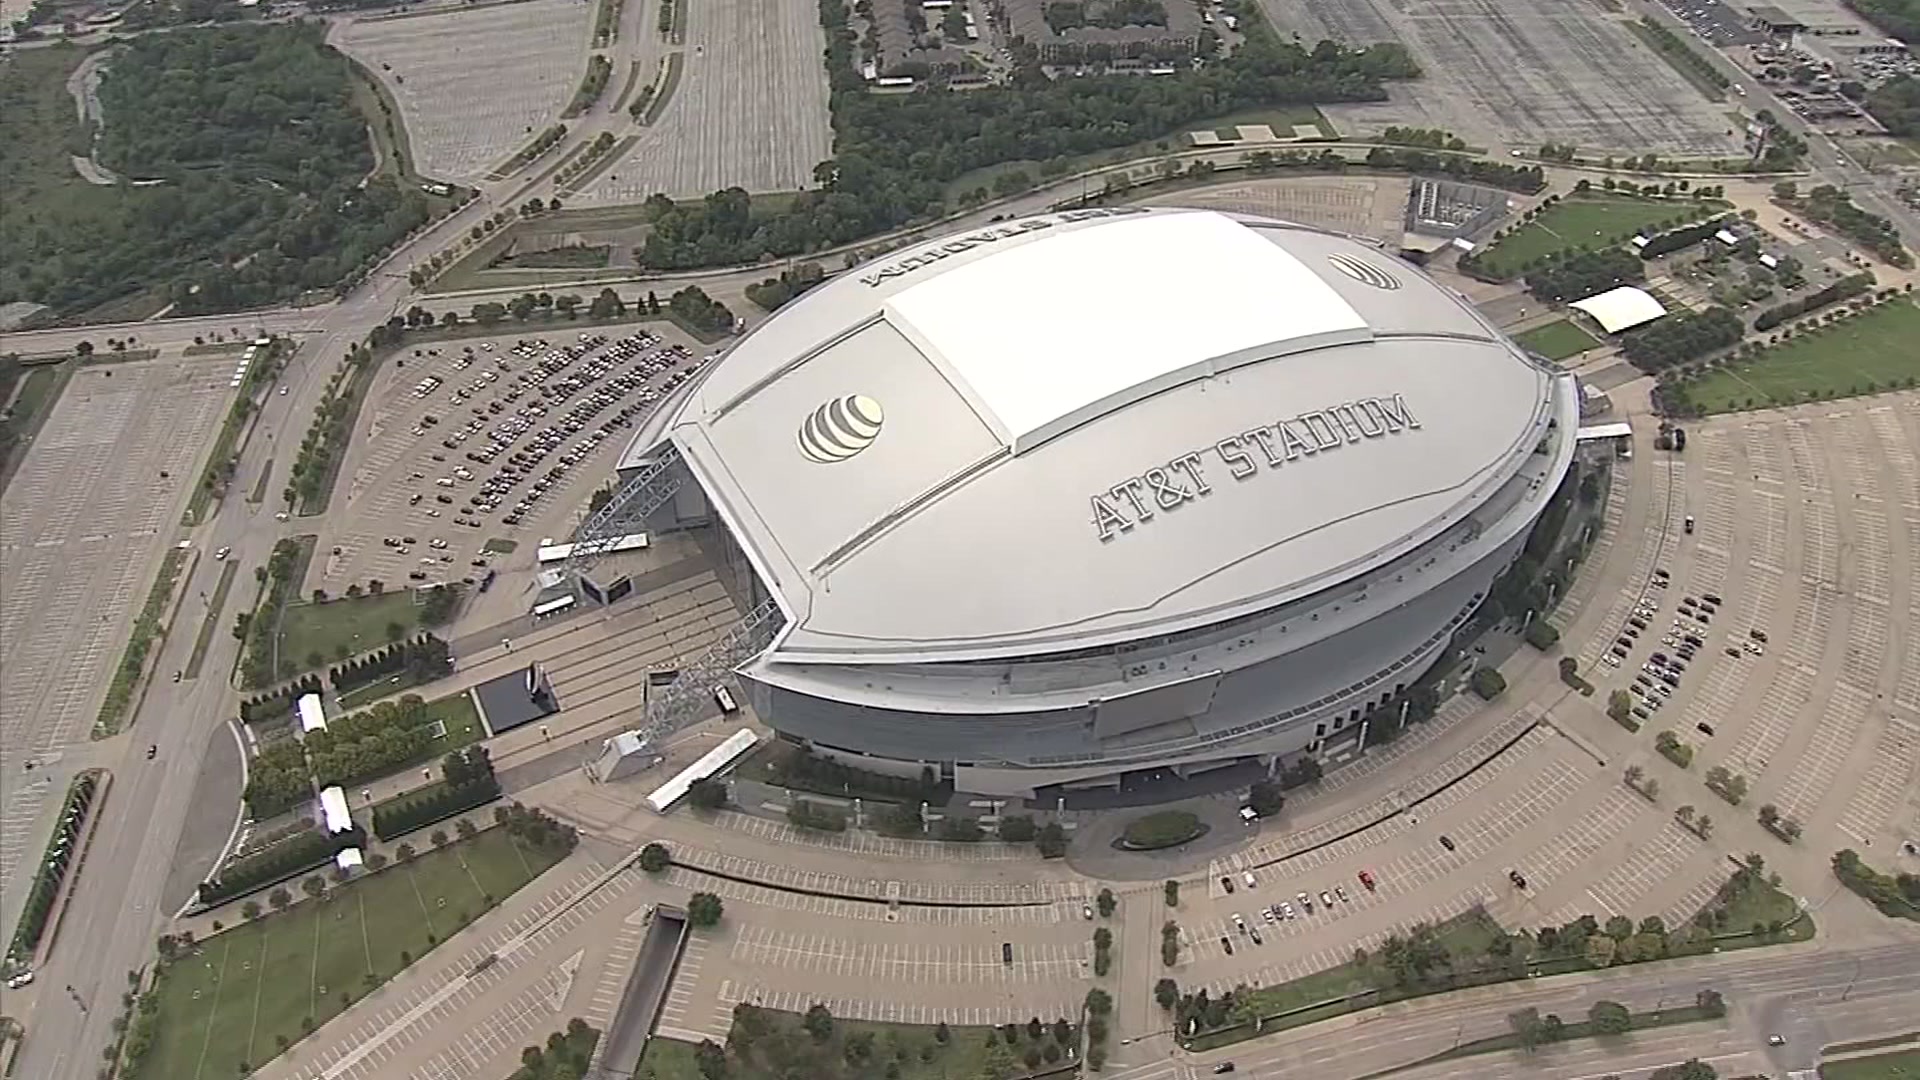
point(20, 980)
point(1247, 879)
point(1610, 660)
point(222, 554)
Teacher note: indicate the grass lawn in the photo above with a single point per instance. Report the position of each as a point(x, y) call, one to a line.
point(1899, 1065)
point(146, 630)
point(211, 623)
point(1280, 119)
point(1874, 1044)
point(1576, 1028)
point(1466, 935)
point(1835, 361)
point(462, 719)
point(1594, 220)
point(500, 545)
point(962, 1058)
point(282, 975)
point(1557, 340)
point(354, 624)
point(1759, 903)
point(578, 257)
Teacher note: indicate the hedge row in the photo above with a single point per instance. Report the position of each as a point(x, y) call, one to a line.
point(278, 704)
point(53, 868)
point(1676, 239)
point(403, 814)
point(1845, 289)
point(278, 863)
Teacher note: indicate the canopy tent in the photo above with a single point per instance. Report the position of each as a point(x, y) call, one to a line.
point(1620, 309)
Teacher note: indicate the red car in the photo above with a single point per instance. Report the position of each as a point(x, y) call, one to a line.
point(1367, 880)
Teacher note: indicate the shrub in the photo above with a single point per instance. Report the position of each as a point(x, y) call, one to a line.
point(1541, 635)
point(1165, 829)
point(655, 858)
point(1487, 683)
point(277, 863)
point(807, 815)
point(1017, 829)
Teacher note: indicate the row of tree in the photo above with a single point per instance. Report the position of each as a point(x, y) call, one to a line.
point(467, 781)
point(1682, 337)
point(1894, 894)
point(279, 703)
point(1896, 104)
point(774, 292)
point(420, 659)
point(1844, 289)
point(259, 629)
point(278, 863)
point(62, 848)
point(1678, 239)
point(277, 779)
point(1833, 206)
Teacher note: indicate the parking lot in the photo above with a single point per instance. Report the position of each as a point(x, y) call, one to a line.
point(749, 111)
point(479, 441)
point(83, 524)
point(1719, 25)
point(1775, 629)
point(1512, 73)
point(475, 85)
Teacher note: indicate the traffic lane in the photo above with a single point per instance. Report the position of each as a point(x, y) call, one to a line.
point(1403, 1033)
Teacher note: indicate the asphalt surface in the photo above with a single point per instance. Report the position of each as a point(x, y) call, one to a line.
point(136, 864)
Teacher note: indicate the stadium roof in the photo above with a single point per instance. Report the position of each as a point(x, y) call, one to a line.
point(1620, 309)
point(1067, 430)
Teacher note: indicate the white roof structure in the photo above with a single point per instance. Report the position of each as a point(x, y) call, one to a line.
point(333, 806)
point(348, 858)
point(312, 716)
point(1620, 309)
point(1619, 430)
point(1098, 425)
point(711, 764)
point(987, 325)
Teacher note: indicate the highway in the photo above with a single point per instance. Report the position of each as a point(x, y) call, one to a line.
point(1811, 996)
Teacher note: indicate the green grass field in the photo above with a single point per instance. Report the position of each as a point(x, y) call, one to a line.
point(1899, 1065)
point(285, 974)
point(357, 624)
point(1594, 220)
point(1557, 340)
point(1876, 348)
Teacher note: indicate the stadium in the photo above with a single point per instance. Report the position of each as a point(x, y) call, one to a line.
point(1102, 495)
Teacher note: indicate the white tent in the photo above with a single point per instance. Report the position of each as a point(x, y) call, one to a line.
point(1620, 309)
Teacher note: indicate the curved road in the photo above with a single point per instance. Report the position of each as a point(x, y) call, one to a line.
point(119, 905)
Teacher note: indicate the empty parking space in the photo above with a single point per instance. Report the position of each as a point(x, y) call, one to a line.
point(475, 441)
point(1893, 767)
point(862, 842)
point(749, 109)
point(474, 86)
point(970, 959)
point(1509, 72)
point(83, 523)
point(1017, 1009)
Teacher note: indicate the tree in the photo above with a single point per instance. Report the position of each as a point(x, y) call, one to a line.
point(1015, 829)
point(941, 1033)
point(1526, 1025)
point(1106, 903)
point(1171, 890)
point(655, 858)
point(1265, 798)
point(818, 1022)
point(314, 885)
point(1691, 1069)
point(704, 909)
point(403, 852)
point(1099, 1002)
point(1634, 775)
point(438, 838)
point(710, 1060)
point(1609, 1018)
point(278, 899)
point(1601, 950)
point(250, 910)
point(707, 794)
point(1710, 1002)
point(1167, 993)
point(1051, 840)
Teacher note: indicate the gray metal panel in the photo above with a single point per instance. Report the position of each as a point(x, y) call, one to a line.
point(1179, 700)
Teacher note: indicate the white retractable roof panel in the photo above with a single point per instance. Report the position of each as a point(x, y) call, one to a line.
point(1043, 337)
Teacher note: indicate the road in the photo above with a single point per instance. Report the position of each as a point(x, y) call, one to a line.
point(121, 903)
point(1817, 996)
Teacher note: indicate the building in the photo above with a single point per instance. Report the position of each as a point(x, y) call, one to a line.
point(1775, 22)
point(1105, 494)
point(904, 32)
point(1105, 31)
